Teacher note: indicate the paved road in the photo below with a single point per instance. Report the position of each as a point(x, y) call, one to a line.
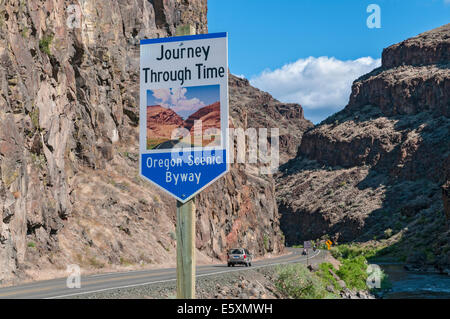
point(57, 288)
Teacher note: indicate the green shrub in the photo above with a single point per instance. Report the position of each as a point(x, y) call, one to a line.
point(353, 269)
point(34, 116)
point(298, 282)
point(95, 263)
point(388, 233)
point(125, 261)
point(351, 251)
point(326, 276)
point(431, 258)
point(353, 272)
point(44, 44)
point(266, 242)
point(24, 32)
point(31, 244)
point(38, 160)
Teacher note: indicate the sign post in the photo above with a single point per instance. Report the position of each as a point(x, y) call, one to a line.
point(185, 231)
point(307, 246)
point(184, 127)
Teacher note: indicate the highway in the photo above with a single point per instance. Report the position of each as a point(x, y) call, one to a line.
point(57, 288)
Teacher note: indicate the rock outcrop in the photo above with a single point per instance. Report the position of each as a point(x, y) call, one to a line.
point(253, 108)
point(431, 47)
point(161, 122)
point(156, 114)
point(70, 190)
point(376, 167)
point(68, 113)
point(209, 115)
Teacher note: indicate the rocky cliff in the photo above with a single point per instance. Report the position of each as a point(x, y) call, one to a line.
point(69, 189)
point(161, 122)
point(374, 170)
point(156, 114)
point(209, 115)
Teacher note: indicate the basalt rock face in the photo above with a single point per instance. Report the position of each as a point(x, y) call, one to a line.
point(68, 134)
point(375, 169)
point(256, 109)
point(69, 189)
point(432, 47)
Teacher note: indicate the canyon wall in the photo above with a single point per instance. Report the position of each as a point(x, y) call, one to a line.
point(69, 189)
point(375, 169)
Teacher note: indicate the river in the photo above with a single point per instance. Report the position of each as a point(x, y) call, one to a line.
point(411, 284)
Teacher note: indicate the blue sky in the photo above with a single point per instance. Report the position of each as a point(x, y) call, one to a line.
point(184, 101)
point(281, 42)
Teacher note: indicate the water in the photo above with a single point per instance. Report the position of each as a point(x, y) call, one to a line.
point(410, 284)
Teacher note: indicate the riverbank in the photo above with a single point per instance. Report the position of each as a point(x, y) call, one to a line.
point(407, 284)
point(398, 279)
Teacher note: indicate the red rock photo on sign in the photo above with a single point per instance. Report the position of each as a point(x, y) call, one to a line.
point(183, 117)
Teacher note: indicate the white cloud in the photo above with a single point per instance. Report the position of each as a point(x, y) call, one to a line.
point(162, 94)
point(315, 83)
point(176, 100)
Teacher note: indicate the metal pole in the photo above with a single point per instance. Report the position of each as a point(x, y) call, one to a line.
point(185, 230)
point(307, 257)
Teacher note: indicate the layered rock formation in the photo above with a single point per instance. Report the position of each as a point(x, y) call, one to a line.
point(374, 170)
point(156, 114)
point(161, 122)
point(70, 190)
point(209, 131)
point(209, 115)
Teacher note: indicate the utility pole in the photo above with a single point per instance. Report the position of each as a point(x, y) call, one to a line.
point(185, 230)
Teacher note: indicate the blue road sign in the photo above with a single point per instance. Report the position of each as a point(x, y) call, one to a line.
point(184, 112)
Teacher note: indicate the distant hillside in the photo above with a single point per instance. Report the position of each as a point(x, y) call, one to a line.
point(373, 172)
